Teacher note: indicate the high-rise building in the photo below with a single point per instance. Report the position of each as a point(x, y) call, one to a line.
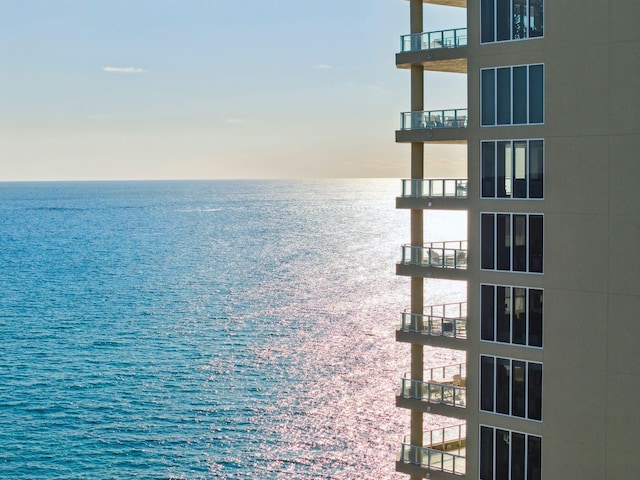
point(551, 327)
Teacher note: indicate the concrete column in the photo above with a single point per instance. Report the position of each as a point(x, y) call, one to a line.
point(416, 16)
point(417, 227)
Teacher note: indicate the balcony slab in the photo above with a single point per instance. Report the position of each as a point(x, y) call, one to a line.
point(448, 3)
point(434, 408)
point(417, 338)
point(451, 60)
point(407, 270)
point(423, 472)
point(431, 203)
point(451, 136)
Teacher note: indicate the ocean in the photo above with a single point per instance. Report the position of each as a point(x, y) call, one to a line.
point(205, 329)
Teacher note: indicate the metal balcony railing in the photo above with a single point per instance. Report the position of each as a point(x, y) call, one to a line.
point(436, 254)
point(448, 320)
point(453, 38)
point(456, 118)
point(447, 374)
point(434, 188)
point(439, 454)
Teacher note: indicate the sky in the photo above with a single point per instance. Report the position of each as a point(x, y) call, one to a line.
point(190, 89)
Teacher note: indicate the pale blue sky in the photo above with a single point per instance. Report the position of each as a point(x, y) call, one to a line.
point(148, 89)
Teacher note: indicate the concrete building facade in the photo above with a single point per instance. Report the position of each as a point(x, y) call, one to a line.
point(551, 385)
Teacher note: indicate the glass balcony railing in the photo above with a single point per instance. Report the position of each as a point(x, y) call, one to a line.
point(434, 392)
point(434, 119)
point(446, 387)
point(448, 320)
point(445, 451)
point(436, 254)
point(434, 188)
point(454, 38)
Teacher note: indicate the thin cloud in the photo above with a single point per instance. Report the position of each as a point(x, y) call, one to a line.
point(322, 66)
point(234, 120)
point(124, 70)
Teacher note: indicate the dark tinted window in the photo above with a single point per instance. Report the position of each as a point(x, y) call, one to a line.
point(503, 380)
point(503, 20)
point(534, 458)
point(488, 169)
point(502, 454)
point(503, 240)
point(535, 391)
point(536, 94)
point(519, 317)
point(536, 169)
point(488, 97)
point(486, 383)
point(487, 312)
point(486, 453)
point(519, 243)
point(520, 94)
point(504, 96)
point(503, 314)
point(518, 388)
point(535, 318)
point(487, 247)
point(535, 243)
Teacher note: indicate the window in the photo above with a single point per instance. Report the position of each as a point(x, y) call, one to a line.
point(511, 387)
point(512, 95)
point(511, 315)
point(509, 455)
point(512, 169)
point(502, 20)
point(511, 242)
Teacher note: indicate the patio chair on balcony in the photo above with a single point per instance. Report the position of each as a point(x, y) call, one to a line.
point(459, 122)
point(459, 381)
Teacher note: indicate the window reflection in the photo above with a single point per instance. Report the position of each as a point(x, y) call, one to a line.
point(512, 169)
point(503, 20)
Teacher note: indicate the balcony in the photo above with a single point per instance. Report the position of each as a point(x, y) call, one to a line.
point(447, 320)
point(438, 126)
point(443, 51)
point(436, 254)
point(444, 260)
point(442, 392)
point(444, 452)
point(435, 194)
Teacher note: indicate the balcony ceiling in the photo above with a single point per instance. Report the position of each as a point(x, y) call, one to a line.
point(458, 65)
point(448, 3)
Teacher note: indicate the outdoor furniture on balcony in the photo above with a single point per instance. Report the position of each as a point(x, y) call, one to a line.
point(451, 254)
point(441, 386)
point(448, 320)
point(456, 118)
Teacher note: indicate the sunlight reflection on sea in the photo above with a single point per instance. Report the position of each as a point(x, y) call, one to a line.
point(224, 330)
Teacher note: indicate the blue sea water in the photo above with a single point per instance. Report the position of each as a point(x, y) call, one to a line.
point(203, 330)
